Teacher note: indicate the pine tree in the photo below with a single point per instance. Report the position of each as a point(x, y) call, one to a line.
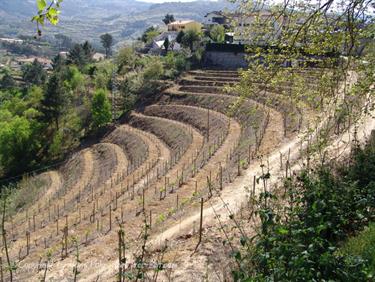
point(34, 73)
point(54, 101)
point(107, 42)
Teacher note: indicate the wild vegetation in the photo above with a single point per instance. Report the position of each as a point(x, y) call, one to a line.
point(303, 240)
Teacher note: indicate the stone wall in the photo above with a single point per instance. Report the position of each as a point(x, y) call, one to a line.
point(227, 60)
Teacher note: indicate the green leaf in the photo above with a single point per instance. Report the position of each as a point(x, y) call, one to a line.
point(54, 20)
point(41, 4)
point(282, 231)
point(53, 12)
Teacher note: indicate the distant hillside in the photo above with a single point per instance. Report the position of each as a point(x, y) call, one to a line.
point(125, 19)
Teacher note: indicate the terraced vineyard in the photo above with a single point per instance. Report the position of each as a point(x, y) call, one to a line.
point(196, 142)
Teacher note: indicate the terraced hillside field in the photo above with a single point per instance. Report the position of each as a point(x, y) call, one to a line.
point(196, 142)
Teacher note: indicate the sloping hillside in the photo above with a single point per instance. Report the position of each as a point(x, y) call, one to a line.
point(126, 20)
point(154, 169)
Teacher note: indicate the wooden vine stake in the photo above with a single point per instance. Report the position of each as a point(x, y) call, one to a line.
point(221, 176)
point(1, 270)
point(66, 231)
point(209, 187)
point(110, 217)
point(200, 226)
point(254, 184)
point(27, 243)
point(121, 254)
point(150, 219)
point(238, 166)
point(208, 124)
point(143, 199)
point(249, 156)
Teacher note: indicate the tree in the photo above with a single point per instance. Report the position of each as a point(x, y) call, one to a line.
point(190, 38)
point(73, 78)
point(57, 62)
point(169, 18)
point(34, 73)
point(16, 144)
point(55, 100)
point(179, 37)
point(64, 42)
point(7, 81)
point(77, 56)
point(100, 109)
point(217, 33)
point(88, 51)
point(126, 59)
point(166, 44)
point(107, 42)
point(81, 54)
point(149, 34)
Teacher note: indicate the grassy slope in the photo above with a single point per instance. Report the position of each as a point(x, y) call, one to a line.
point(363, 246)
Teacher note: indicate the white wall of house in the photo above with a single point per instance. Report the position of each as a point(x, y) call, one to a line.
point(210, 18)
point(245, 33)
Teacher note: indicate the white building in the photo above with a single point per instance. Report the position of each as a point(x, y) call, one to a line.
point(215, 18)
point(157, 45)
point(260, 26)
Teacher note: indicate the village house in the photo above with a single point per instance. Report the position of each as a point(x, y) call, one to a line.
point(157, 45)
point(260, 26)
point(216, 18)
point(46, 63)
point(240, 24)
point(184, 26)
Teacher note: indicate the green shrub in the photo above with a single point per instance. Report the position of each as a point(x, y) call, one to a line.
point(154, 70)
point(300, 241)
point(362, 246)
point(100, 109)
point(175, 64)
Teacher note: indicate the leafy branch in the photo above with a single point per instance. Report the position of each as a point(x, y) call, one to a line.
point(47, 11)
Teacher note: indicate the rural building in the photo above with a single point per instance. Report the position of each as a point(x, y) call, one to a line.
point(262, 19)
point(11, 40)
point(157, 45)
point(46, 63)
point(216, 18)
point(184, 26)
point(98, 57)
point(259, 20)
